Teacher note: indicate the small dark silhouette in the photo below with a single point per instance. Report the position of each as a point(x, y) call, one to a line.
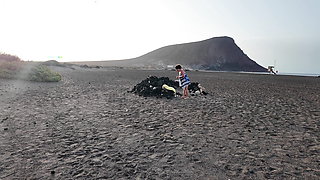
point(271, 69)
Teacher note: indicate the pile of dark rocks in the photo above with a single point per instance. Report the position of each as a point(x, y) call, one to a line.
point(196, 89)
point(152, 87)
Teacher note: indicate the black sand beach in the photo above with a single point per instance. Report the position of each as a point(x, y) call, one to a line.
point(88, 126)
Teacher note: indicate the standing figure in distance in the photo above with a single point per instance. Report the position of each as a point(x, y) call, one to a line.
point(184, 79)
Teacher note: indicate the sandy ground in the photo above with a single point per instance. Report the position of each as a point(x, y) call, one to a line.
point(88, 127)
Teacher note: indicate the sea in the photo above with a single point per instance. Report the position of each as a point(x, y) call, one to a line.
point(279, 73)
point(288, 74)
point(299, 74)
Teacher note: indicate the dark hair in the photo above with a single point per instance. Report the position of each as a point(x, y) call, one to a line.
point(178, 66)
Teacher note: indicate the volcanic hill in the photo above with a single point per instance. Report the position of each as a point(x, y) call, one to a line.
point(218, 54)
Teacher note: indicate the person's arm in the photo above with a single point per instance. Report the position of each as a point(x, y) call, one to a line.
point(179, 75)
point(182, 74)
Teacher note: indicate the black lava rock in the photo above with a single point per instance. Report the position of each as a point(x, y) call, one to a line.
point(194, 87)
point(152, 86)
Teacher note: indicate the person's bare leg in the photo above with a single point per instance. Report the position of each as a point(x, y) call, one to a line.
point(187, 91)
point(184, 93)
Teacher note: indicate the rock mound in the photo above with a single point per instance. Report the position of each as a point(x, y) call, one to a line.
point(153, 87)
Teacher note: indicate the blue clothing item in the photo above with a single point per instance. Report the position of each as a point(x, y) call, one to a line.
point(185, 81)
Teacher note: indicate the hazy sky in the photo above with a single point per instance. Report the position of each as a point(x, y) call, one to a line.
point(284, 32)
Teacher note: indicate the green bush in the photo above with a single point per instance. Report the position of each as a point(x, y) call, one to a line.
point(41, 73)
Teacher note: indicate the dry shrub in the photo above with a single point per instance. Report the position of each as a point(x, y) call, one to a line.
point(8, 58)
point(10, 66)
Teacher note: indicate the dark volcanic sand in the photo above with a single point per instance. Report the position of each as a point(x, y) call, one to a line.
point(89, 127)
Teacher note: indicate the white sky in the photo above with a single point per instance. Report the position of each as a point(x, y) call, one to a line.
point(268, 31)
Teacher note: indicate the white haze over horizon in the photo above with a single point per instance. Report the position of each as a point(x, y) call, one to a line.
point(271, 32)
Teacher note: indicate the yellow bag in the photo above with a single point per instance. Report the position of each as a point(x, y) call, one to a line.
point(168, 88)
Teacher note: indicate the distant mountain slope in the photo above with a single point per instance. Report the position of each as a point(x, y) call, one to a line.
point(218, 53)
